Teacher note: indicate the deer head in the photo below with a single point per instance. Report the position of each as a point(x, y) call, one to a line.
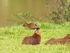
point(31, 25)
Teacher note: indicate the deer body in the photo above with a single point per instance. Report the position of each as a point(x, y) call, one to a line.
point(64, 40)
point(34, 39)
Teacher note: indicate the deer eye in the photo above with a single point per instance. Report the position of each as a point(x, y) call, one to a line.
point(35, 24)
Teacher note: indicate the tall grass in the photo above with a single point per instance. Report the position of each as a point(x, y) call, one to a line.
point(11, 38)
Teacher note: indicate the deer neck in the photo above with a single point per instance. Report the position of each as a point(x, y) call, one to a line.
point(36, 34)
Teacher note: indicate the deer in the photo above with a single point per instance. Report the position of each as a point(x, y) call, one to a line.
point(34, 39)
point(64, 40)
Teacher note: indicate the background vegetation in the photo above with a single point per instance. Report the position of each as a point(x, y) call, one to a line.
point(43, 10)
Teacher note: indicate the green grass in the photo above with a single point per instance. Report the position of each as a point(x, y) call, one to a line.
point(11, 38)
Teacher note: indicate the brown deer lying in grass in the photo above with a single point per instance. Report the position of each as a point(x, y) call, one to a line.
point(31, 25)
point(34, 39)
point(64, 40)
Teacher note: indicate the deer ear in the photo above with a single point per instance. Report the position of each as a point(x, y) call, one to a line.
point(68, 34)
point(35, 24)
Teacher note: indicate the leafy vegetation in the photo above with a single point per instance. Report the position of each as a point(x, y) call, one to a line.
point(62, 14)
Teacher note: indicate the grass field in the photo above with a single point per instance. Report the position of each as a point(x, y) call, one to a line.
point(11, 38)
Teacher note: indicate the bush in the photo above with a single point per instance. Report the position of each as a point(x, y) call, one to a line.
point(62, 14)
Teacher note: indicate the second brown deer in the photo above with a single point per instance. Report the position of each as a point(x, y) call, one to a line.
point(64, 40)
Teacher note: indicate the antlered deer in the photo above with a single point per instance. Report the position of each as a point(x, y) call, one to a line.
point(34, 39)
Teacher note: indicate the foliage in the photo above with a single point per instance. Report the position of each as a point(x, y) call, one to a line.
point(62, 14)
